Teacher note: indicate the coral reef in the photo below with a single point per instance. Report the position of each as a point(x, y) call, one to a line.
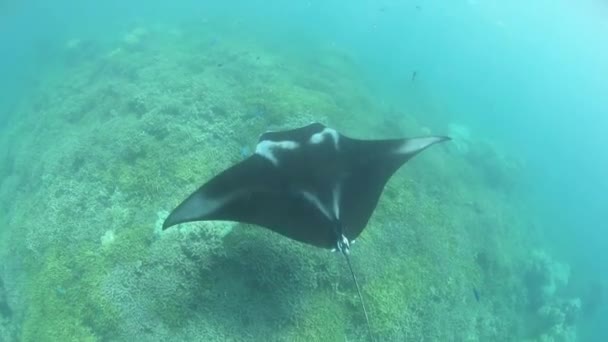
point(543, 278)
point(134, 39)
point(133, 125)
point(553, 317)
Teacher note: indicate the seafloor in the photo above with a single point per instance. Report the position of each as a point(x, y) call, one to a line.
point(103, 147)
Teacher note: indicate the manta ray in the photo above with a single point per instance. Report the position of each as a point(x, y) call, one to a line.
point(310, 184)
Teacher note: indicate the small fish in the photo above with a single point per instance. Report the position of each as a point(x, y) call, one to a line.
point(476, 294)
point(414, 74)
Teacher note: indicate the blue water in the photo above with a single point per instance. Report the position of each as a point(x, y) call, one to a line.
point(531, 78)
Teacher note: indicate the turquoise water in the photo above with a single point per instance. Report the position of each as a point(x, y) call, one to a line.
point(111, 114)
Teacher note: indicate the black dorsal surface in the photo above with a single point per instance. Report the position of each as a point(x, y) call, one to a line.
point(310, 184)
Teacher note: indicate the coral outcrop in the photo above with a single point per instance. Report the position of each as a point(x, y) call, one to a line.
point(553, 316)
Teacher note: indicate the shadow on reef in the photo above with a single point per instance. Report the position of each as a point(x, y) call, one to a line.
point(265, 278)
point(219, 281)
point(5, 310)
point(250, 285)
point(7, 330)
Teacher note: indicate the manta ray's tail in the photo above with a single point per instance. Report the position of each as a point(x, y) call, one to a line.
point(350, 267)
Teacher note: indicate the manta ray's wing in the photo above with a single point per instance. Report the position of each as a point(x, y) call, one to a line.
point(371, 164)
point(259, 191)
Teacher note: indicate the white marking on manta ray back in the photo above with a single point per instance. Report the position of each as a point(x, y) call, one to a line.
point(267, 148)
point(416, 144)
point(318, 138)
